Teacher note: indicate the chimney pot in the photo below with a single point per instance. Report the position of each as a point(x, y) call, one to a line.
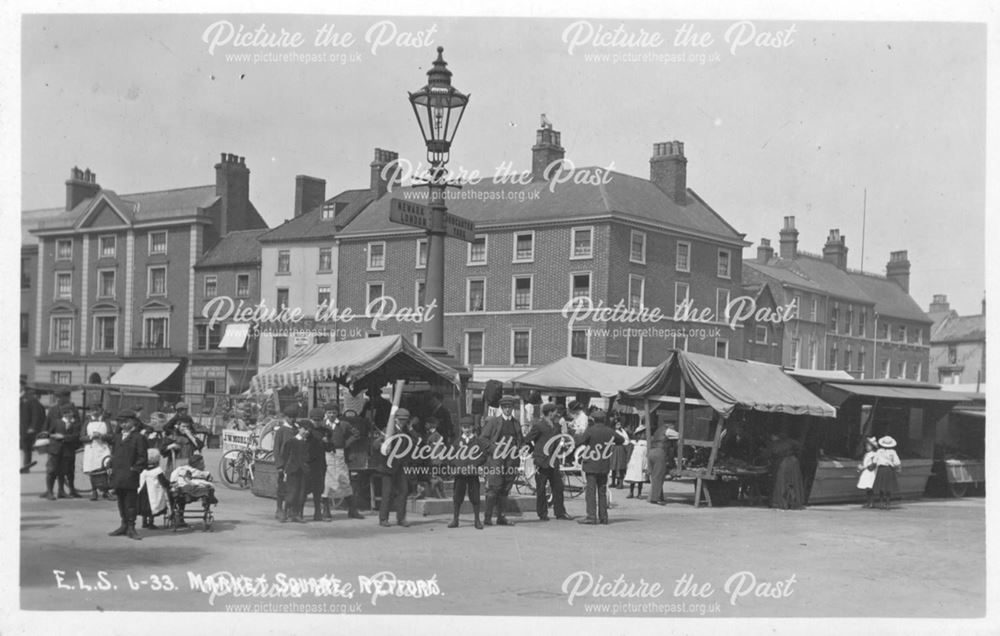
point(668, 170)
point(764, 251)
point(898, 269)
point(546, 151)
point(310, 193)
point(80, 187)
point(380, 185)
point(789, 239)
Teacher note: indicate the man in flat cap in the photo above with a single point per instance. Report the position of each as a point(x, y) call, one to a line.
point(470, 453)
point(32, 423)
point(395, 485)
point(319, 437)
point(503, 433)
point(596, 464)
point(546, 455)
point(63, 428)
point(283, 431)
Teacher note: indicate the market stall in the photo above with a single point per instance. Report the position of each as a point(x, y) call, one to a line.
point(572, 376)
point(358, 365)
point(710, 393)
point(914, 414)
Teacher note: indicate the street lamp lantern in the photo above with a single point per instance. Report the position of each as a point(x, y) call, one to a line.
point(439, 107)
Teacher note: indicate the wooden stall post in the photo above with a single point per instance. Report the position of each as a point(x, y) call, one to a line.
point(680, 429)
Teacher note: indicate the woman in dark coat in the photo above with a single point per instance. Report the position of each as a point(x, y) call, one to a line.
point(787, 491)
point(128, 459)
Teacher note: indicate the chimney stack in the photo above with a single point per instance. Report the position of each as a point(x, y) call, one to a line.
point(546, 151)
point(310, 193)
point(232, 184)
point(835, 250)
point(764, 251)
point(898, 270)
point(939, 304)
point(668, 170)
point(379, 184)
point(81, 185)
point(789, 239)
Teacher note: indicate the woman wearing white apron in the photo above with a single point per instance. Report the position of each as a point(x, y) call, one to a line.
point(96, 449)
point(154, 488)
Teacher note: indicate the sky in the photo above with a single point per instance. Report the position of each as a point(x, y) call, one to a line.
point(802, 125)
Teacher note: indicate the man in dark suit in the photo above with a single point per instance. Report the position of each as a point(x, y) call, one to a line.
point(128, 459)
point(469, 452)
point(596, 463)
point(316, 475)
point(283, 431)
point(545, 453)
point(32, 423)
point(295, 466)
point(395, 484)
point(349, 438)
point(504, 435)
point(657, 458)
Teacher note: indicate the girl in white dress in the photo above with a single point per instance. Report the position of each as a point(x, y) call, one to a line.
point(96, 448)
point(637, 472)
point(867, 468)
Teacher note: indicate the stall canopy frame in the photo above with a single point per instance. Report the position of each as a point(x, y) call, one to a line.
point(724, 385)
point(355, 363)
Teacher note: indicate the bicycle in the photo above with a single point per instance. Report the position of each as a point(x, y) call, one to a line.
point(236, 465)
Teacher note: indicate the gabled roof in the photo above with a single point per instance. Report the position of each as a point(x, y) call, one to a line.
point(812, 273)
point(782, 271)
point(890, 299)
point(143, 207)
point(311, 225)
point(622, 196)
point(236, 248)
point(960, 329)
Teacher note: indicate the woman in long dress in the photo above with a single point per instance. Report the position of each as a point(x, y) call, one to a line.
point(867, 468)
point(887, 464)
point(787, 491)
point(96, 448)
point(620, 457)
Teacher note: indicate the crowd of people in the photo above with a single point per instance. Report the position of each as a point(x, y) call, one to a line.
point(154, 467)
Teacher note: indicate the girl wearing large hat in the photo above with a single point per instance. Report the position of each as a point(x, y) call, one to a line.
point(887, 464)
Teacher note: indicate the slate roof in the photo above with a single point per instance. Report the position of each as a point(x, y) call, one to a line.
point(890, 299)
point(236, 248)
point(623, 196)
point(812, 273)
point(960, 329)
point(311, 225)
point(140, 207)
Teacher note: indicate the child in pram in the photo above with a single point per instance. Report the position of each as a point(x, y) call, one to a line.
point(189, 483)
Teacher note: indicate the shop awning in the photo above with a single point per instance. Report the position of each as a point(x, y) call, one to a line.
point(970, 413)
point(144, 374)
point(374, 361)
point(235, 335)
point(729, 384)
point(576, 375)
point(837, 393)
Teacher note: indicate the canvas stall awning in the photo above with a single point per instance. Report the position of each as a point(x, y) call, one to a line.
point(144, 374)
point(374, 361)
point(576, 375)
point(839, 392)
point(729, 384)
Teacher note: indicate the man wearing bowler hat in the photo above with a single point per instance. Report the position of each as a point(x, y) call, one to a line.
point(503, 432)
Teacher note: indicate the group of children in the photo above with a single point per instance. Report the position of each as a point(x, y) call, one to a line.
point(878, 472)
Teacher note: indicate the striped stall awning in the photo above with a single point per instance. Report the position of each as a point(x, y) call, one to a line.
point(373, 360)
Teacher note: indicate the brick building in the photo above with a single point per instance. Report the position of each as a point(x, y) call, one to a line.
point(865, 324)
point(116, 276)
point(958, 345)
point(224, 358)
point(300, 259)
point(647, 243)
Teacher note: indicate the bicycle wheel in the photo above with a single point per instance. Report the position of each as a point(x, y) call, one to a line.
point(234, 471)
point(574, 483)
